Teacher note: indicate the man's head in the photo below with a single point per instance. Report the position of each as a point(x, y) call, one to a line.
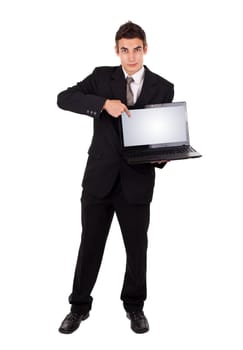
point(131, 45)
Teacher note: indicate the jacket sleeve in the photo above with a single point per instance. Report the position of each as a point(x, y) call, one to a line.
point(81, 98)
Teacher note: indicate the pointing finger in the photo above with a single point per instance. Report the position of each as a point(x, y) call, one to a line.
point(127, 111)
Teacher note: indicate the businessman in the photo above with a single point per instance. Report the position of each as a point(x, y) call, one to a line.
point(110, 185)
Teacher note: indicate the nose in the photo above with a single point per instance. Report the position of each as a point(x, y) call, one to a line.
point(131, 57)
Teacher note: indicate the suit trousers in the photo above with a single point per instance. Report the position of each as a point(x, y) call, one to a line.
point(97, 215)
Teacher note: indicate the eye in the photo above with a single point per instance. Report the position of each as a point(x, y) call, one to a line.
point(123, 50)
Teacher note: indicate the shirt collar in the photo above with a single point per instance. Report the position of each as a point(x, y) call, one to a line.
point(138, 76)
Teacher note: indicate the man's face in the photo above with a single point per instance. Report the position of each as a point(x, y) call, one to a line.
point(131, 52)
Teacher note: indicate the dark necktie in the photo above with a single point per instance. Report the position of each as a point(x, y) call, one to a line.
point(130, 100)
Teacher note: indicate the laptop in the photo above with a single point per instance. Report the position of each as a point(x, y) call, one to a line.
point(155, 133)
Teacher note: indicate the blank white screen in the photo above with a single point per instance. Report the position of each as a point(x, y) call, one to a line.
point(155, 125)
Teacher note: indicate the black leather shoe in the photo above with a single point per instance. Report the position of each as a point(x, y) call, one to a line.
point(139, 322)
point(71, 322)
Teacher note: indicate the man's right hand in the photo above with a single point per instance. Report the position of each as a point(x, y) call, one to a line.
point(115, 108)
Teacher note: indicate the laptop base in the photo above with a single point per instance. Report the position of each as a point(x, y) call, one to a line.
point(169, 154)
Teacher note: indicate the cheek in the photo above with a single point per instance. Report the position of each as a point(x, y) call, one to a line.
point(123, 60)
point(141, 60)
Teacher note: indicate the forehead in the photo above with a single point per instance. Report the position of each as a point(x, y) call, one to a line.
point(130, 43)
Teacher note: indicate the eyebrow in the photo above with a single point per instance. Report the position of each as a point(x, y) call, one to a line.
point(135, 48)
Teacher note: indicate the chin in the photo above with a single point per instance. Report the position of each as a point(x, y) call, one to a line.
point(133, 69)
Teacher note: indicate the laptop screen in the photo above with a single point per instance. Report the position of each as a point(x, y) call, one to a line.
point(158, 125)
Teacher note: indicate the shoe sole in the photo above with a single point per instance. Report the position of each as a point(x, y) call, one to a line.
point(70, 332)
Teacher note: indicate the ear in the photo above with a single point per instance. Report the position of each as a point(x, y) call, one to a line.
point(145, 49)
point(116, 50)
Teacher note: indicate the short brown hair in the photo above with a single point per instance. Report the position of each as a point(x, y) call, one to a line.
point(130, 30)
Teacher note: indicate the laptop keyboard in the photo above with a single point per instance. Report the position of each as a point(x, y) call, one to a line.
point(166, 152)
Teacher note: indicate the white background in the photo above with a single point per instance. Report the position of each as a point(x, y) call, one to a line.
point(195, 238)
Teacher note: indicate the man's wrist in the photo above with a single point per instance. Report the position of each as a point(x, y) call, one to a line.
point(105, 104)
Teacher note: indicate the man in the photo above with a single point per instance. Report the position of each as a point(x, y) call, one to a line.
point(110, 184)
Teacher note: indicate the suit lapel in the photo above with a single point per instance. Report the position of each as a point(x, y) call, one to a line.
point(147, 89)
point(118, 85)
point(118, 92)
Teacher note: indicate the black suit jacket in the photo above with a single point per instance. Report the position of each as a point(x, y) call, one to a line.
point(105, 161)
